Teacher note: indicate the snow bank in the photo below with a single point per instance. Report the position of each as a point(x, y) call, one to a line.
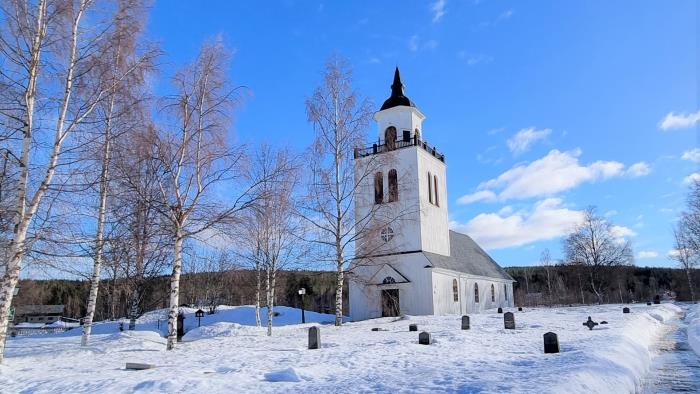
point(693, 319)
point(619, 362)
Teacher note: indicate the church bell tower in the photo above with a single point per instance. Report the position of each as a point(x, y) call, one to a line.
point(409, 177)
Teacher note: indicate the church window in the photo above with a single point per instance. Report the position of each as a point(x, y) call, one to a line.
point(390, 138)
point(387, 234)
point(437, 200)
point(455, 290)
point(378, 188)
point(430, 188)
point(505, 291)
point(493, 293)
point(393, 186)
point(388, 280)
point(476, 293)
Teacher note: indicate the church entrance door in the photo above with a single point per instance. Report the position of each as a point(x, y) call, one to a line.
point(390, 303)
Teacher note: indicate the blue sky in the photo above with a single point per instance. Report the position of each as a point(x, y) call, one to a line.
point(542, 108)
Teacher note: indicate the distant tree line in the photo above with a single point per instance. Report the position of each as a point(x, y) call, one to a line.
point(232, 287)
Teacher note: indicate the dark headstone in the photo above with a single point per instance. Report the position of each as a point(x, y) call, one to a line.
point(603, 322)
point(180, 326)
point(551, 343)
point(657, 300)
point(424, 338)
point(648, 303)
point(520, 309)
point(590, 323)
point(314, 338)
point(625, 310)
point(465, 322)
point(139, 366)
point(500, 310)
point(413, 327)
point(375, 329)
point(509, 321)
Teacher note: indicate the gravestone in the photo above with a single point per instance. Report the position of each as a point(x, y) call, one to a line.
point(603, 322)
point(509, 321)
point(590, 323)
point(500, 310)
point(314, 338)
point(657, 300)
point(648, 303)
point(424, 338)
point(139, 366)
point(465, 322)
point(413, 327)
point(180, 326)
point(551, 343)
point(625, 310)
point(520, 309)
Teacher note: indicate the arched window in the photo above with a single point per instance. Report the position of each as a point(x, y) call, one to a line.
point(476, 293)
point(435, 186)
point(455, 290)
point(393, 186)
point(390, 138)
point(505, 290)
point(430, 188)
point(378, 188)
point(388, 280)
point(493, 293)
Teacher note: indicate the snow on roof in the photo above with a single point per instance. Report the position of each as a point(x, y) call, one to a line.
point(468, 257)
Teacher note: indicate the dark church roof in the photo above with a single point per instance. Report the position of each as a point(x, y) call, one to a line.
point(397, 97)
point(468, 257)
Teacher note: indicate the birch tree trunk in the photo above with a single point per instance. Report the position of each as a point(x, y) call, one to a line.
point(134, 310)
point(270, 287)
point(175, 290)
point(258, 289)
point(99, 239)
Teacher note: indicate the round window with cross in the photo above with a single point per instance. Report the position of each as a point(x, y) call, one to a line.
point(387, 234)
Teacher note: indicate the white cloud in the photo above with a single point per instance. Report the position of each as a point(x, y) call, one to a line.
point(415, 44)
point(524, 138)
point(438, 9)
point(474, 59)
point(548, 220)
point(694, 177)
point(622, 232)
point(639, 169)
point(647, 254)
point(673, 253)
point(554, 173)
point(679, 121)
point(481, 195)
point(505, 15)
point(692, 155)
point(610, 213)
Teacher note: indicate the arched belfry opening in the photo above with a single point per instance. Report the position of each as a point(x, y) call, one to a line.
point(390, 138)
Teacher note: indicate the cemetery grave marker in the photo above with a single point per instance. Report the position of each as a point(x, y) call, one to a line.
point(509, 321)
point(590, 323)
point(551, 343)
point(424, 338)
point(413, 327)
point(314, 338)
point(465, 322)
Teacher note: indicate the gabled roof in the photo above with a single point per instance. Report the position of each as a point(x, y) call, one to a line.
point(468, 257)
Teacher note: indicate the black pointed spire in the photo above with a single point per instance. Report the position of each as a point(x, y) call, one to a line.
point(397, 96)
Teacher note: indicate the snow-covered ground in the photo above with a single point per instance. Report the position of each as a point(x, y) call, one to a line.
point(229, 355)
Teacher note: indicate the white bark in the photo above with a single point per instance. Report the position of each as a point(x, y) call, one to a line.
point(175, 291)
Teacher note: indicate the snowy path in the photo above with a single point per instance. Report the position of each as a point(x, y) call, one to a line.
point(676, 368)
point(223, 357)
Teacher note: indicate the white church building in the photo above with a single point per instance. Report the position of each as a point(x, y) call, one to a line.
point(414, 264)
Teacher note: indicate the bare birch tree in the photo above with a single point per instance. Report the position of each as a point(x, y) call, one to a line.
point(686, 236)
point(48, 49)
point(116, 115)
point(196, 161)
point(340, 116)
point(593, 246)
point(546, 263)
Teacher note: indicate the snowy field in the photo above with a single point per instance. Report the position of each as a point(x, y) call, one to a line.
point(229, 355)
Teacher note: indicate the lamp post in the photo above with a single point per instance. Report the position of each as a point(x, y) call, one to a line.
point(302, 291)
point(199, 314)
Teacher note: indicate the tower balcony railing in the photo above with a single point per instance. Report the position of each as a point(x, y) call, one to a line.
point(381, 147)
